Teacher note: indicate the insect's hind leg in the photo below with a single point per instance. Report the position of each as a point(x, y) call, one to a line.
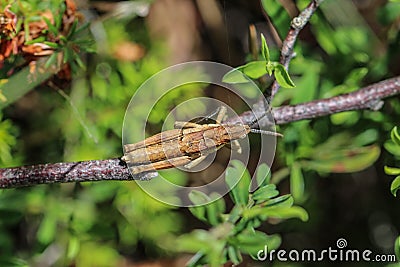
point(221, 115)
point(235, 145)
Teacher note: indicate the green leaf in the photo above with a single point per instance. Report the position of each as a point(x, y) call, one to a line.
point(72, 30)
point(252, 242)
point(366, 138)
point(211, 212)
point(395, 136)
point(263, 174)
point(198, 198)
point(395, 186)
point(52, 44)
point(297, 183)
point(215, 209)
point(265, 193)
point(253, 70)
point(73, 247)
point(199, 212)
point(264, 48)
point(235, 76)
point(47, 229)
point(270, 67)
point(52, 60)
point(397, 248)
point(282, 201)
point(278, 14)
point(60, 16)
point(84, 27)
point(345, 160)
point(13, 262)
point(282, 76)
point(391, 170)
point(197, 260)
point(286, 213)
point(234, 255)
point(237, 178)
point(53, 29)
point(392, 148)
point(197, 240)
point(219, 202)
point(40, 39)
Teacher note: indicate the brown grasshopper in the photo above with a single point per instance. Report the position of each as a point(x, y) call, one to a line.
point(186, 146)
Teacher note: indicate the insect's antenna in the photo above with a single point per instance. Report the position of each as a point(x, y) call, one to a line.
point(257, 119)
point(265, 132)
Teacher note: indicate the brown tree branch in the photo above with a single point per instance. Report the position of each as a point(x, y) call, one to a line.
point(369, 97)
point(65, 172)
point(296, 26)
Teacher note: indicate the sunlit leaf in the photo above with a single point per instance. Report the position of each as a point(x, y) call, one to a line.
point(282, 201)
point(253, 70)
point(251, 243)
point(47, 229)
point(286, 213)
point(264, 48)
point(297, 182)
point(265, 193)
point(391, 170)
point(282, 76)
point(235, 76)
point(40, 39)
point(73, 247)
point(395, 136)
point(234, 255)
point(215, 209)
point(397, 248)
point(392, 148)
point(237, 178)
point(395, 186)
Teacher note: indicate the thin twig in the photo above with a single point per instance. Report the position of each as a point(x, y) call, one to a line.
point(114, 169)
point(296, 26)
point(369, 97)
point(65, 172)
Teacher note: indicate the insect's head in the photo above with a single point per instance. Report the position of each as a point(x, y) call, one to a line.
point(255, 130)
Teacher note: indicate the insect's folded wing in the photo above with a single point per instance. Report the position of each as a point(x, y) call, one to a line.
point(155, 139)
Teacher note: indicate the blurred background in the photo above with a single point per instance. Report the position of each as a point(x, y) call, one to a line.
point(333, 166)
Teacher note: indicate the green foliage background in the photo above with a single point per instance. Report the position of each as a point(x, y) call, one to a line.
point(332, 166)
